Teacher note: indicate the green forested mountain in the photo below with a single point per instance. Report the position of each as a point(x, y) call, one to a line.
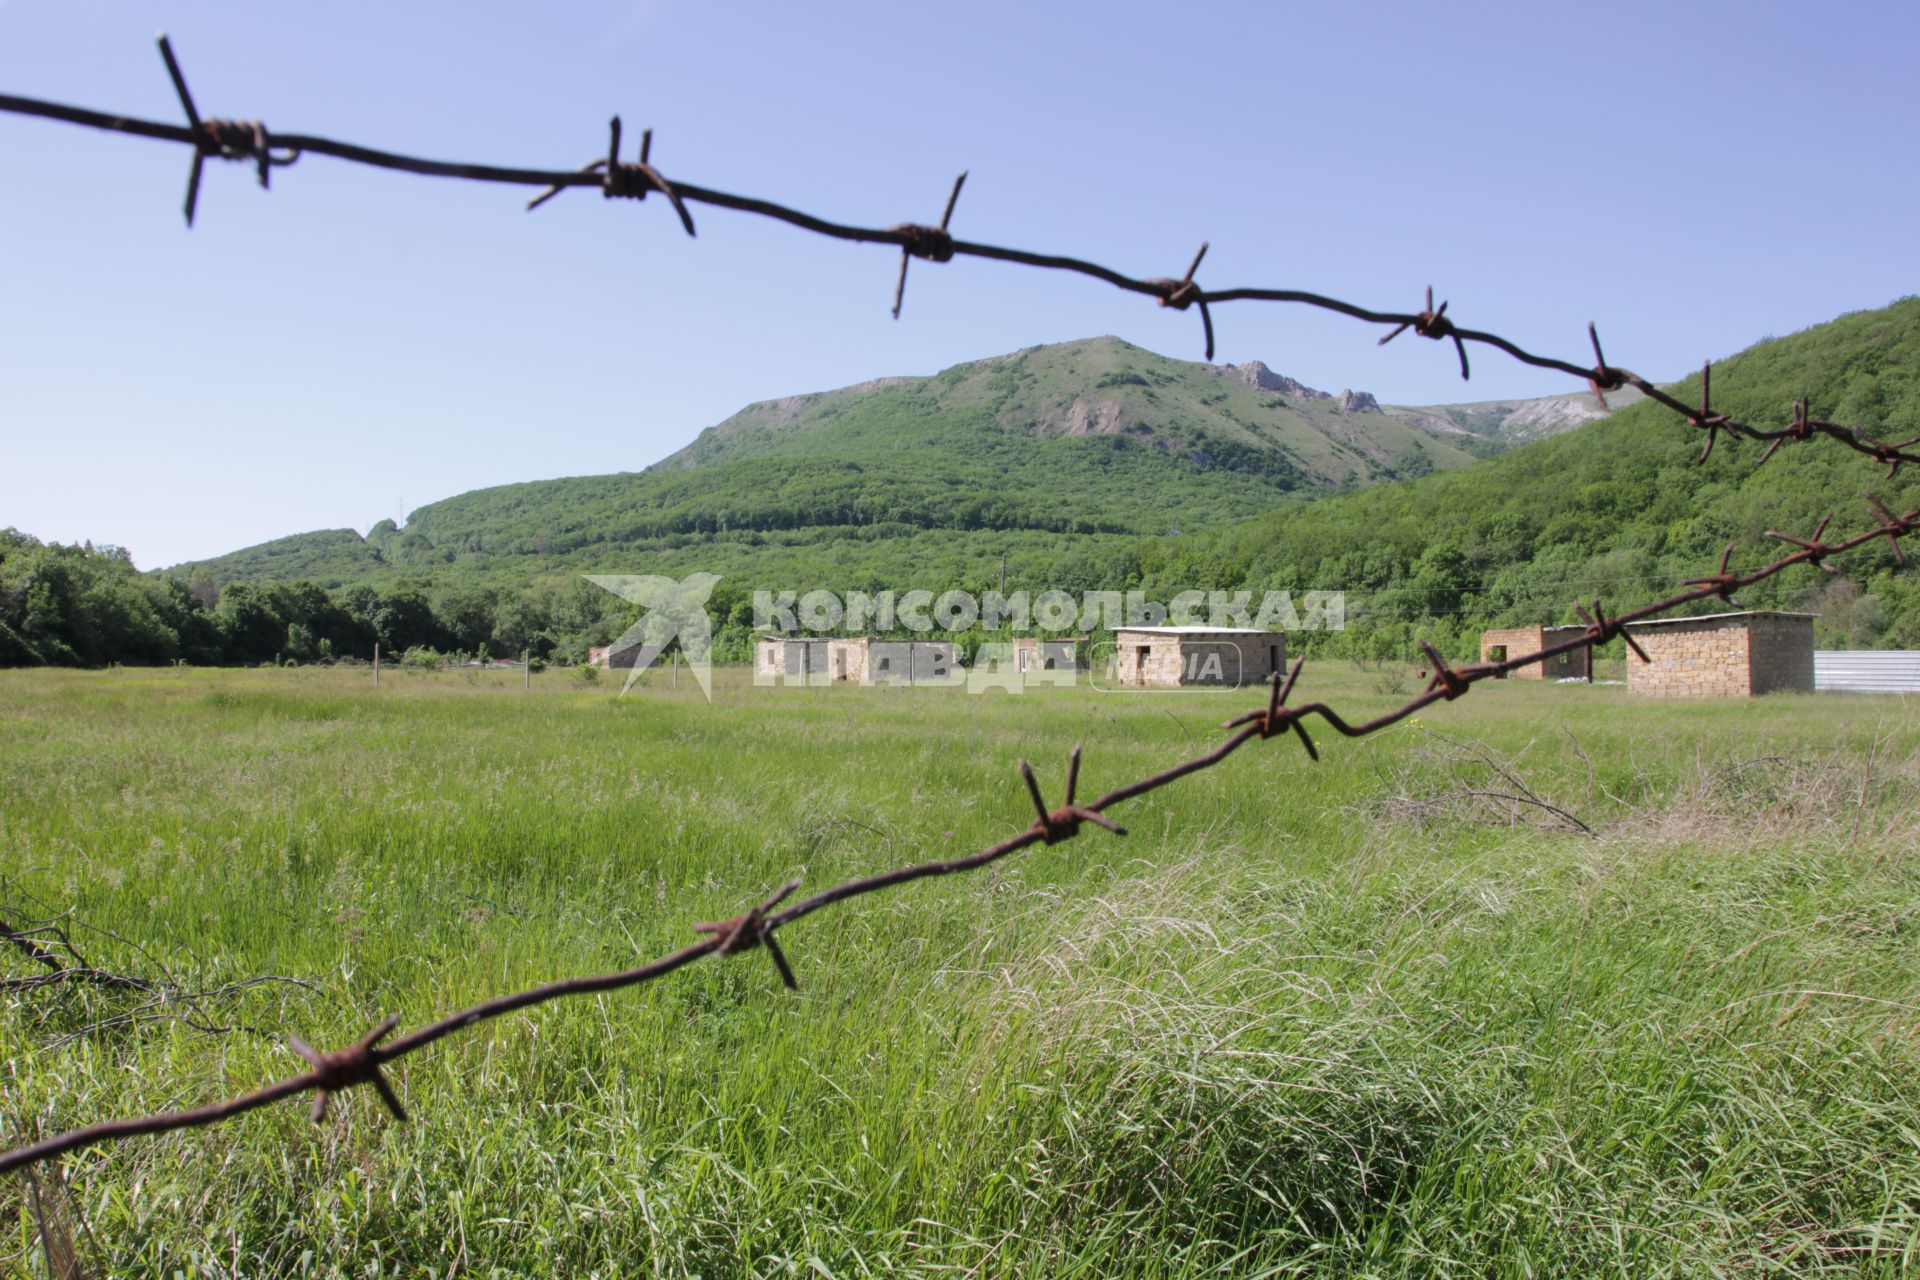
point(1615, 509)
point(1028, 455)
point(1073, 491)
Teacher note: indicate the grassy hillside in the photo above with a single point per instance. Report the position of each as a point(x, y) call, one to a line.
point(1616, 509)
point(1025, 455)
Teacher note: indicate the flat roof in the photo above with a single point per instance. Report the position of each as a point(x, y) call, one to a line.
point(1198, 631)
point(1721, 617)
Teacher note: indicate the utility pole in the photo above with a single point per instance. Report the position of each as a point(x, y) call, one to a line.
point(376, 664)
point(676, 668)
point(526, 665)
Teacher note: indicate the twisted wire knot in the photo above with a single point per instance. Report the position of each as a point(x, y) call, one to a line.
point(1801, 428)
point(337, 1070)
point(1812, 550)
point(1185, 292)
point(1890, 454)
point(625, 180)
point(1061, 824)
point(745, 932)
point(232, 139)
point(1444, 680)
point(1705, 419)
point(219, 138)
point(1722, 581)
point(922, 241)
point(931, 243)
point(1601, 628)
point(1178, 294)
point(1431, 322)
point(1604, 377)
point(630, 180)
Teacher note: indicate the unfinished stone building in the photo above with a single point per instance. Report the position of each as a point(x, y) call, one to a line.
point(1173, 657)
point(1725, 655)
point(1060, 654)
point(1512, 642)
point(862, 660)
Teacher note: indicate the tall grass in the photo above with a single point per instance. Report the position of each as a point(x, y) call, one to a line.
point(1292, 1024)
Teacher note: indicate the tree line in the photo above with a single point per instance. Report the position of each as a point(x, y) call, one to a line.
point(88, 606)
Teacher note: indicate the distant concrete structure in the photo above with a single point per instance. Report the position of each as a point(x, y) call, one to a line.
point(1866, 670)
point(1723, 655)
point(862, 660)
point(910, 662)
point(1060, 654)
point(794, 657)
point(1512, 642)
point(620, 657)
point(1173, 657)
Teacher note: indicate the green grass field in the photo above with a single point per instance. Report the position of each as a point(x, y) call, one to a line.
point(1337, 1019)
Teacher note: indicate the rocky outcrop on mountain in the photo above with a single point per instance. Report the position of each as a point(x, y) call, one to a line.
point(1505, 423)
point(1257, 375)
point(1358, 402)
point(1091, 418)
point(1537, 419)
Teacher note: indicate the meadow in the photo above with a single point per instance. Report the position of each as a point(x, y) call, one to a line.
point(1545, 982)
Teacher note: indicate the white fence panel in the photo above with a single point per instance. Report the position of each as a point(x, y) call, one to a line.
point(1867, 670)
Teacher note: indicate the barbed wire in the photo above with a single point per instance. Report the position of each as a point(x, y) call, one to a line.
point(363, 1062)
point(335, 1071)
point(250, 141)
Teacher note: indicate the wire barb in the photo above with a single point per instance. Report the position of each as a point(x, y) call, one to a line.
point(1446, 681)
point(1722, 582)
point(222, 139)
point(337, 1070)
point(1705, 418)
point(1601, 628)
point(931, 243)
point(1603, 379)
point(745, 932)
point(1276, 717)
point(1431, 322)
point(1893, 454)
point(1055, 825)
point(1801, 428)
point(622, 180)
point(1813, 551)
point(1893, 527)
point(1183, 293)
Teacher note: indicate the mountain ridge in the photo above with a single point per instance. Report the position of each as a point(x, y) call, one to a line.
point(1095, 437)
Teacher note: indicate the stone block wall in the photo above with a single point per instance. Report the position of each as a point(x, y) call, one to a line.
point(1516, 640)
point(1151, 660)
point(1707, 658)
point(847, 659)
point(1174, 660)
point(1576, 664)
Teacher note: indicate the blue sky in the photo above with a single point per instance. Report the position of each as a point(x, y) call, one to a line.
point(355, 343)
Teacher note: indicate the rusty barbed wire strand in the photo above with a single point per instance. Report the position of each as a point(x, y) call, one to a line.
point(248, 140)
point(334, 1072)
